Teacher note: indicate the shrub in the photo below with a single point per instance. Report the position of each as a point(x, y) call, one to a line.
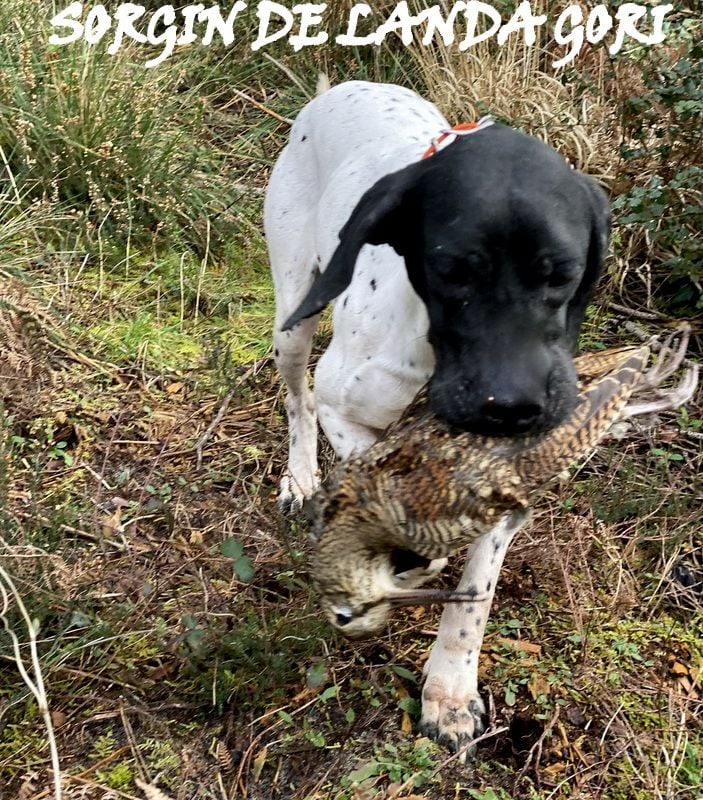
point(662, 150)
point(121, 147)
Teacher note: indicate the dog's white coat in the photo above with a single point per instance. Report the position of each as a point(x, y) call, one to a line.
point(342, 142)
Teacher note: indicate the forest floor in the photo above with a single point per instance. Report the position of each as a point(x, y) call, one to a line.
point(178, 632)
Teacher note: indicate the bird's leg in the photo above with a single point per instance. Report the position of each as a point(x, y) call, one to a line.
point(667, 360)
point(452, 709)
point(651, 398)
point(666, 399)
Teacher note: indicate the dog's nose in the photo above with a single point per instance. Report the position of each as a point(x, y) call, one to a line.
point(510, 415)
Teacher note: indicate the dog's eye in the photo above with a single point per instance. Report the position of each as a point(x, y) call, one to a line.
point(462, 271)
point(559, 279)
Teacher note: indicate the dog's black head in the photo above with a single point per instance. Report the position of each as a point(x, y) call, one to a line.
point(503, 242)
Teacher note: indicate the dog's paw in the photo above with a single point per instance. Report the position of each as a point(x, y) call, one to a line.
point(451, 716)
point(292, 495)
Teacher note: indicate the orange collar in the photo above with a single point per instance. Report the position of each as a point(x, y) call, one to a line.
point(458, 130)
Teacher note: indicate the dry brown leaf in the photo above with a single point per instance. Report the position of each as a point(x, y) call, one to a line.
point(58, 718)
point(259, 761)
point(405, 724)
point(159, 673)
point(679, 669)
point(224, 757)
point(174, 388)
point(393, 792)
point(113, 523)
point(151, 792)
point(361, 793)
point(305, 694)
point(520, 644)
point(537, 686)
point(553, 770)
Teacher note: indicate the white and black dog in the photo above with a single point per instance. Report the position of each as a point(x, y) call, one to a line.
point(471, 269)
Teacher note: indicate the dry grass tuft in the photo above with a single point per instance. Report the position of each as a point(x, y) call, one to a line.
point(26, 329)
point(512, 83)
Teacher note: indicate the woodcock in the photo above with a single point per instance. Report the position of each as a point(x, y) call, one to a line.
point(386, 520)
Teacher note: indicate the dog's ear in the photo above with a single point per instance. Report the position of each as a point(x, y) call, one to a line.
point(380, 217)
point(597, 252)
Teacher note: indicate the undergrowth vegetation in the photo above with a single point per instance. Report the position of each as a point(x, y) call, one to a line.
point(142, 434)
point(122, 151)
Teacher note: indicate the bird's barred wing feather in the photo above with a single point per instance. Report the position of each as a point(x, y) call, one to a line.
point(431, 489)
point(600, 404)
point(591, 366)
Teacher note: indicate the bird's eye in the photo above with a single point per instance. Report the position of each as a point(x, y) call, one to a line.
point(343, 619)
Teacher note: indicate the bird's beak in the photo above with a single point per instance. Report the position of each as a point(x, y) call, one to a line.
point(426, 597)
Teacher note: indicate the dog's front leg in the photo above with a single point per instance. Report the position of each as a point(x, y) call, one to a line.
point(452, 709)
point(291, 353)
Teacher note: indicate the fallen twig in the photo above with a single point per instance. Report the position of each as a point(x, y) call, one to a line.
point(218, 417)
point(535, 752)
point(36, 684)
point(211, 427)
point(461, 753)
point(648, 316)
point(261, 106)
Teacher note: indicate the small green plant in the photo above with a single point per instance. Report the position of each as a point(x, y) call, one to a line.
point(241, 564)
point(59, 451)
point(686, 422)
point(691, 771)
point(161, 757)
point(511, 690)
point(667, 456)
point(399, 763)
point(489, 794)
point(119, 777)
point(103, 745)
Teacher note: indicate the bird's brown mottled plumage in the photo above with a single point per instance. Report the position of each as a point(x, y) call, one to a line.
point(429, 490)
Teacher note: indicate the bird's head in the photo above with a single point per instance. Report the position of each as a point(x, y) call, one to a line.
point(357, 593)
